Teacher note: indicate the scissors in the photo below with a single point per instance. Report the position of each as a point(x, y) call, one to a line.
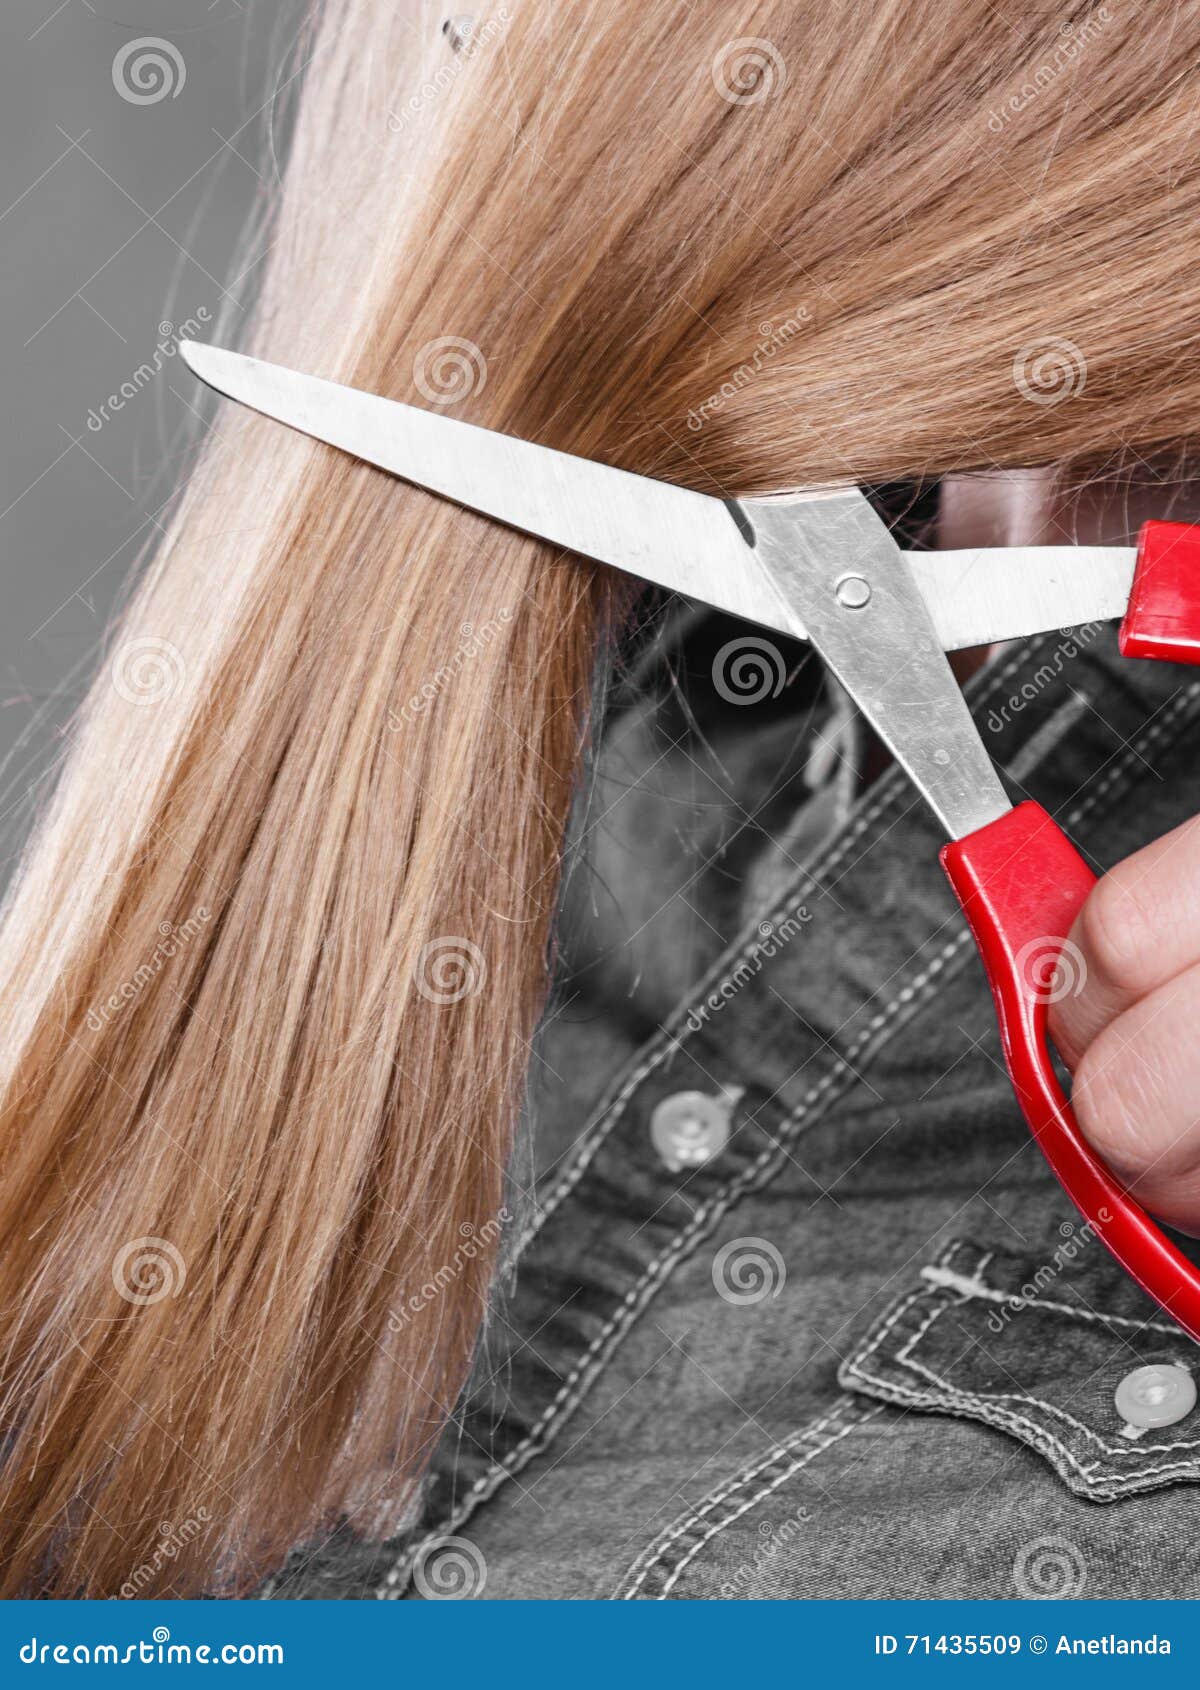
point(822, 566)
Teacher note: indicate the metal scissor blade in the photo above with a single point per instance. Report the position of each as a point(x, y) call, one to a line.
point(685, 541)
point(1002, 593)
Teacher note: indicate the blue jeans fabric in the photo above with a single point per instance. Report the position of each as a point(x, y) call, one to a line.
point(866, 1349)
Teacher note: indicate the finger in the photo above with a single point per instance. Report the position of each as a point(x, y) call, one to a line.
point(1137, 1099)
point(1139, 928)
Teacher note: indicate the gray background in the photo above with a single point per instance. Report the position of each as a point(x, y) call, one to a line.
point(116, 217)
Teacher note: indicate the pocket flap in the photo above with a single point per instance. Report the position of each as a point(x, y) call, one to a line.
point(1015, 1342)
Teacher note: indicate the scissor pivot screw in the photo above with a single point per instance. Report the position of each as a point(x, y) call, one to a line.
point(853, 592)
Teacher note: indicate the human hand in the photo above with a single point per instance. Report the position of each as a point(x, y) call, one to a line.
point(1131, 1032)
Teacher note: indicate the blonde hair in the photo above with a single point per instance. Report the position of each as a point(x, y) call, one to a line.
point(271, 966)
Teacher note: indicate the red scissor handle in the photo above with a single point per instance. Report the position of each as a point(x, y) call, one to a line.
point(1021, 883)
point(1163, 618)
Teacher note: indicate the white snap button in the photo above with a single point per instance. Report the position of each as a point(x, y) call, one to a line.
point(1156, 1396)
point(689, 1128)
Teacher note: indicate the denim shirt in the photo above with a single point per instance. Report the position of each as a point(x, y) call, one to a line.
point(797, 1308)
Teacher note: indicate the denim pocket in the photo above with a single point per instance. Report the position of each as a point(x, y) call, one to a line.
point(1039, 1347)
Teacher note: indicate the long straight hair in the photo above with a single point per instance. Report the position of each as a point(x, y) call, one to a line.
point(272, 962)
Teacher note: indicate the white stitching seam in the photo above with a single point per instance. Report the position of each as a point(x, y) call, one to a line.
point(655, 1551)
point(947, 1281)
point(967, 1407)
point(577, 1382)
point(728, 1487)
point(753, 1500)
point(906, 1358)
